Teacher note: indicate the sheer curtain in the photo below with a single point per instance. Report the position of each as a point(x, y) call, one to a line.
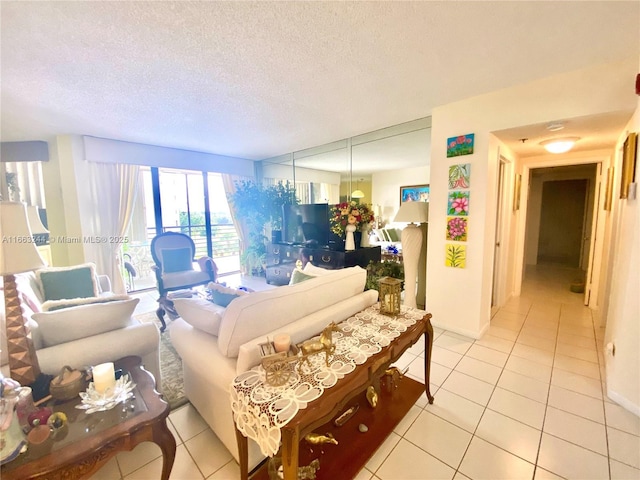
point(229, 182)
point(115, 187)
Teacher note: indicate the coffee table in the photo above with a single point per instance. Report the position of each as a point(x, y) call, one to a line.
point(337, 398)
point(89, 440)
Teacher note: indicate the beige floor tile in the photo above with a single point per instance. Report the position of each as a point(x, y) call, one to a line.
point(488, 355)
point(438, 374)
point(408, 462)
point(571, 461)
point(382, 452)
point(542, 474)
point(364, 474)
point(517, 407)
point(624, 447)
point(184, 468)
point(408, 420)
point(468, 387)
point(576, 403)
point(537, 355)
point(575, 365)
point(622, 419)
point(143, 454)
point(486, 461)
point(454, 342)
point(575, 429)
point(495, 343)
point(548, 332)
point(576, 383)
point(230, 471)
point(110, 471)
point(576, 341)
point(187, 422)
point(404, 361)
point(551, 309)
point(480, 370)
point(439, 438)
point(208, 452)
point(445, 357)
point(460, 476)
point(509, 434)
point(620, 471)
point(541, 319)
point(529, 368)
point(416, 370)
point(586, 354)
point(520, 305)
point(525, 386)
point(501, 332)
point(456, 409)
point(547, 344)
point(586, 332)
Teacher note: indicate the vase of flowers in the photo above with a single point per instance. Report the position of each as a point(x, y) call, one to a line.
point(352, 213)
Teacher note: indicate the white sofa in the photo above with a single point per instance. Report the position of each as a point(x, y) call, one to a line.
point(83, 335)
point(211, 362)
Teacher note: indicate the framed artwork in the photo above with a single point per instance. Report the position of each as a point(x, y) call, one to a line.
point(516, 192)
point(414, 193)
point(457, 229)
point(628, 164)
point(609, 191)
point(459, 176)
point(458, 204)
point(456, 255)
point(460, 145)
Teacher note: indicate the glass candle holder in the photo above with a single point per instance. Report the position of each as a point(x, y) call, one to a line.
point(389, 295)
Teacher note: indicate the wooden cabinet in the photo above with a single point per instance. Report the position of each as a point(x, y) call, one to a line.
point(281, 260)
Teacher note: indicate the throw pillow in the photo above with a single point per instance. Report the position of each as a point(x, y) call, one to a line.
point(299, 276)
point(223, 296)
point(393, 234)
point(311, 269)
point(200, 313)
point(58, 283)
point(52, 305)
point(68, 324)
point(176, 259)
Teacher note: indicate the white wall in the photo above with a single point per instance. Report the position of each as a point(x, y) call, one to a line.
point(560, 97)
point(623, 312)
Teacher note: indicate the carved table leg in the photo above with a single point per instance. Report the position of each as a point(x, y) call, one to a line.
point(160, 314)
point(428, 345)
point(243, 454)
point(290, 444)
point(164, 439)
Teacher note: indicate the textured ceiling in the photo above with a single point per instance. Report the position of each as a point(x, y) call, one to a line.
point(259, 79)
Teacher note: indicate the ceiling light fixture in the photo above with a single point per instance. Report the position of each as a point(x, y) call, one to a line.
point(554, 127)
point(559, 145)
point(357, 193)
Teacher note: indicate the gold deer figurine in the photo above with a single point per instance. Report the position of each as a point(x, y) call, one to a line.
point(318, 439)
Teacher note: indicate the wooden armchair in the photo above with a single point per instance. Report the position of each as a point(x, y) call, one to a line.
point(173, 255)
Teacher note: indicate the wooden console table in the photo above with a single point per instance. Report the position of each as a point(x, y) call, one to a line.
point(90, 440)
point(335, 399)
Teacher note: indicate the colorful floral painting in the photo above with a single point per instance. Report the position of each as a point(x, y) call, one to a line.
point(458, 204)
point(457, 229)
point(456, 255)
point(460, 145)
point(459, 176)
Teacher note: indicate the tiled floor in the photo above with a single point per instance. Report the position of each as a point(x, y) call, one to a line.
point(525, 401)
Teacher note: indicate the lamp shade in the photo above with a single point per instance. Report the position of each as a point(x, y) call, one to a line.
point(18, 252)
point(559, 145)
point(413, 212)
point(357, 194)
point(34, 221)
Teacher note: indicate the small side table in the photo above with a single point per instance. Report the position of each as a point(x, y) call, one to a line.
point(89, 440)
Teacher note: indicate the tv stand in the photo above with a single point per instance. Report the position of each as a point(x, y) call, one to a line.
point(282, 257)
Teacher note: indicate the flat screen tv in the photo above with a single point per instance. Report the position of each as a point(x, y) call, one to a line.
point(306, 224)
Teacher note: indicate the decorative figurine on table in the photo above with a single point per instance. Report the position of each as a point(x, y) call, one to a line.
point(317, 439)
point(323, 344)
point(12, 439)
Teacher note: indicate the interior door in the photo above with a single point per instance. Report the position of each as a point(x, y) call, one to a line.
point(497, 250)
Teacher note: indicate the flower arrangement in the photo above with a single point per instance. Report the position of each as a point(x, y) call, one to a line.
point(350, 213)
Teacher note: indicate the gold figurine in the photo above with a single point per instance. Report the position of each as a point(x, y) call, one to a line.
point(372, 396)
point(317, 439)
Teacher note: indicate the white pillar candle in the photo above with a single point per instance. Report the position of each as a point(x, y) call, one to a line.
point(104, 377)
point(282, 342)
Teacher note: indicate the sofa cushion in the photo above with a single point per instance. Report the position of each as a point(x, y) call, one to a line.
point(222, 295)
point(78, 281)
point(51, 305)
point(73, 323)
point(311, 269)
point(176, 259)
point(245, 317)
point(298, 276)
point(200, 313)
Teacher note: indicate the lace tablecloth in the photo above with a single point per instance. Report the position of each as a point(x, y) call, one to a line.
point(260, 410)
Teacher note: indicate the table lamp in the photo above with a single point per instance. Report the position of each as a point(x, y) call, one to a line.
point(414, 256)
point(18, 254)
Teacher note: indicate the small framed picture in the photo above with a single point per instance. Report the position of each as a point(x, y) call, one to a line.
point(414, 193)
point(628, 164)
